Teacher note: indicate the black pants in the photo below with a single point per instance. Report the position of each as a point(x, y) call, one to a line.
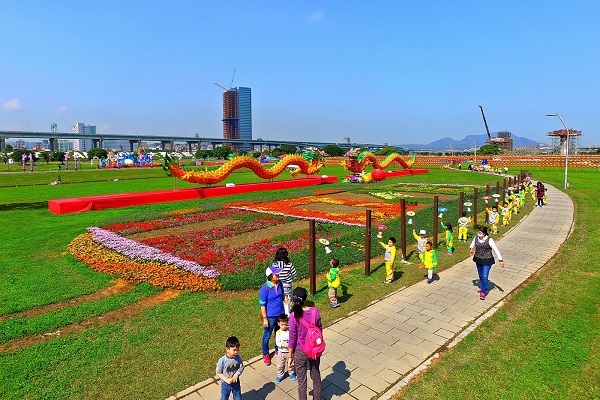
point(540, 201)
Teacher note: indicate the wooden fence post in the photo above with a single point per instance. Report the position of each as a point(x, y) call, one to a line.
point(435, 221)
point(313, 260)
point(403, 227)
point(368, 244)
point(475, 194)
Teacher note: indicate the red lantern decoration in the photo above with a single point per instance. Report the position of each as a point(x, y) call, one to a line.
point(378, 175)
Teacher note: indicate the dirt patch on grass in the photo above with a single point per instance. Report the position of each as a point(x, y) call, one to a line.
point(122, 313)
point(355, 196)
point(333, 208)
point(119, 286)
point(199, 226)
point(246, 239)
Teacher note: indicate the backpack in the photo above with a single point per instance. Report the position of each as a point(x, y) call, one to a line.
point(314, 344)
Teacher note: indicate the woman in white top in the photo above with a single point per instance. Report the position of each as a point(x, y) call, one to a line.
point(481, 248)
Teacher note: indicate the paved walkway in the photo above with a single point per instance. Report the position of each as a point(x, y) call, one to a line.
point(374, 352)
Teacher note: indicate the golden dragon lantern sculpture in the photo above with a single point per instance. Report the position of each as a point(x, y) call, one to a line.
point(308, 163)
point(358, 161)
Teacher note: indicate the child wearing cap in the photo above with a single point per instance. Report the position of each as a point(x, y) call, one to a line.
point(421, 239)
point(271, 306)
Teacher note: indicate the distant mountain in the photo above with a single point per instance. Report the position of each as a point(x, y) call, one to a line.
point(467, 143)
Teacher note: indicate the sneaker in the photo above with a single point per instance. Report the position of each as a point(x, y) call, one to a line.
point(334, 305)
point(448, 253)
point(387, 281)
point(267, 360)
point(481, 296)
point(278, 379)
point(292, 377)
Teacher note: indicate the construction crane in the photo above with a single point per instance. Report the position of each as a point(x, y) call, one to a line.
point(486, 125)
point(224, 88)
point(504, 142)
point(231, 83)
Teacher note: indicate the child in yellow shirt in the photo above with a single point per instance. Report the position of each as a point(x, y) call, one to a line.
point(389, 258)
point(430, 260)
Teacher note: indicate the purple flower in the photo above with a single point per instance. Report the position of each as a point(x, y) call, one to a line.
point(139, 251)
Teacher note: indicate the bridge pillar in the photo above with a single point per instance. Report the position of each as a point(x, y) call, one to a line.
point(97, 143)
point(166, 144)
point(189, 143)
point(2, 144)
point(53, 144)
point(131, 143)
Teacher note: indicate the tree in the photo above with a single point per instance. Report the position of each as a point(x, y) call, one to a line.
point(97, 152)
point(8, 148)
point(18, 154)
point(386, 151)
point(221, 152)
point(47, 156)
point(489, 149)
point(334, 150)
point(288, 149)
point(203, 154)
point(58, 156)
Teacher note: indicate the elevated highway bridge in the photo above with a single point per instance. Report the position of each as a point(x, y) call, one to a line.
point(167, 142)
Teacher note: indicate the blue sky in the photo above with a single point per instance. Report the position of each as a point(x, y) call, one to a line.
point(386, 71)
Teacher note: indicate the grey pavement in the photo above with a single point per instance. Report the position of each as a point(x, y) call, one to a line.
point(373, 352)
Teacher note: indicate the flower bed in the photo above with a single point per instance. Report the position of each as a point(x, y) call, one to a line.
point(129, 228)
point(293, 208)
point(102, 259)
point(391, 195)
point(196, 259)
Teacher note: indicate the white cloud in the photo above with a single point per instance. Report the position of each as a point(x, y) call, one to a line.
point(104, 127)
point(319, 15)
point(61, 110)
point(13, 104)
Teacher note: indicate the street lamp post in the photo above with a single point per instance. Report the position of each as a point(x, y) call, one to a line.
point(475, 148)
point(566, 185)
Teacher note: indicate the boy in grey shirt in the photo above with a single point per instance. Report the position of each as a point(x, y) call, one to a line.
point(229, 369)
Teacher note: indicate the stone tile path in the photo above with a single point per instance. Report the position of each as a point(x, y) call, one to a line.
point(372, 353)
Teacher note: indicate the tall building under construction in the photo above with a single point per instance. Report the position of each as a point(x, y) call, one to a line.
point(237, 115)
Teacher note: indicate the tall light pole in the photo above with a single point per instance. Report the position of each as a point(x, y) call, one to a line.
point(566, 185)
point(474, 147)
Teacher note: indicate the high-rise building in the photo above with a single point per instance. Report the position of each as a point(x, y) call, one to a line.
point(83, 144)
point(237, 115)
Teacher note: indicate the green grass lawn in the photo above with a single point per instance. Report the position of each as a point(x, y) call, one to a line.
point(175, 345)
